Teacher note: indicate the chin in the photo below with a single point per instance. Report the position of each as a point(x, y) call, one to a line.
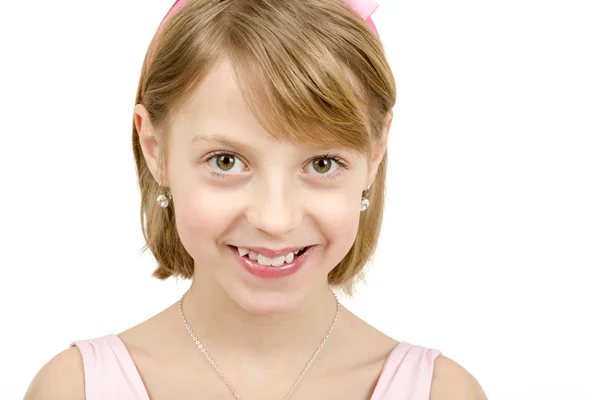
point(266, 302)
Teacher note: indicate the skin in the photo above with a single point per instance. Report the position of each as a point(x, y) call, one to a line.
point(274, 198)
point(262, 332)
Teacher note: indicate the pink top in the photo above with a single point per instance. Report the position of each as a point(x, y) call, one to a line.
point(110, 373)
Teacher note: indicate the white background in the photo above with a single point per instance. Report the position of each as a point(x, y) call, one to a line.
point(491, 242)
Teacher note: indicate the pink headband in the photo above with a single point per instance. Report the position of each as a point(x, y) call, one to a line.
point(364, 8)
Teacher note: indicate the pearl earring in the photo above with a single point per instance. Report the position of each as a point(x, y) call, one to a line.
point(364, 203)
point(163, 200)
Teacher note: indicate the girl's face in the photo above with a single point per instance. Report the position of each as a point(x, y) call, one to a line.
point(235, 186)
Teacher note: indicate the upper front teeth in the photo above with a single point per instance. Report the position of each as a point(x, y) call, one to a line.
point(264, 260)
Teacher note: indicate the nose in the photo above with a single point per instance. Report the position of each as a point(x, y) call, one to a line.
point(275, 207)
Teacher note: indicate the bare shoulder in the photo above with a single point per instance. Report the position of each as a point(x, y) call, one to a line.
point(452, 382)
point(61, 378)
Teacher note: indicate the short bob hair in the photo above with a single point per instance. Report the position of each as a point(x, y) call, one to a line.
point(312, 71)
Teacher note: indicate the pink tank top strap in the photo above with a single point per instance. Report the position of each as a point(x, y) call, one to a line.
point(109, 370)
point(407, 373)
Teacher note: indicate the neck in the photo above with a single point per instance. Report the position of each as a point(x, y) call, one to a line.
point(228, 325)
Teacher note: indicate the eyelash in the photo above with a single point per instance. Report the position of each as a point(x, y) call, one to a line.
point(222, 175)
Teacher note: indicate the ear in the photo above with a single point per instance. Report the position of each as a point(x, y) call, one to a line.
point(379, 149)
point(149, 143)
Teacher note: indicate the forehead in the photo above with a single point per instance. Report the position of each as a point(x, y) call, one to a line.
point(247, 102)
point(217, 101)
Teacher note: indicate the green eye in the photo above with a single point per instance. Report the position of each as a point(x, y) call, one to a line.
point(220, 162)
point(322, 165)
point(326, 165)
point(225, 162)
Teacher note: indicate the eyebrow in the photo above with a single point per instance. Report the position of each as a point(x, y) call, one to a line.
point(224, 140)
point(228, 142)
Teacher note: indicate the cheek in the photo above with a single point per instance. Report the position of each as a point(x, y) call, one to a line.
point(339, 223)
point(201, 217)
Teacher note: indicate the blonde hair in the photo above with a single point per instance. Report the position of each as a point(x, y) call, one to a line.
point(312, 72)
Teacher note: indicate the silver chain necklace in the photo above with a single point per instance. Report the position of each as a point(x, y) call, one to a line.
point(222, 375)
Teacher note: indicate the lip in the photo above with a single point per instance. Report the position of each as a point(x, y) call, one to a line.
point(273, 253)
point(268, 272)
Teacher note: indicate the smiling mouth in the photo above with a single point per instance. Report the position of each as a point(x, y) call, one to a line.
point(267, 261)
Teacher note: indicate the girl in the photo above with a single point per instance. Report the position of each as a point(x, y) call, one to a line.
point(260, 139)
